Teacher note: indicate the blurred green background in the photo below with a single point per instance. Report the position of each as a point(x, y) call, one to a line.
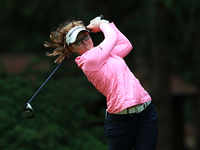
point(69, 110)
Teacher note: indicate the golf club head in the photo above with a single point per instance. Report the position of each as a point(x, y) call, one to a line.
point(28, 111)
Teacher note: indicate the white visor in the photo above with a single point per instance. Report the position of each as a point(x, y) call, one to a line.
point(72, 34)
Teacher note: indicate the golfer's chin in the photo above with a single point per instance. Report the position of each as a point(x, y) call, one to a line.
point(85, 50)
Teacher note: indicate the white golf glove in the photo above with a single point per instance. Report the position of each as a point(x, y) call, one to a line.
point(99, 18)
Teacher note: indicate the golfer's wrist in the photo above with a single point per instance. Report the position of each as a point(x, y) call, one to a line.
point(103, 25)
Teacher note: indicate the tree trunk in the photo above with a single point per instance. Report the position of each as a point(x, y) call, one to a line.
point(197, 120)
point(160, 79)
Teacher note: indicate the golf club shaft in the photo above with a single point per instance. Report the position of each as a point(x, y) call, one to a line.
point(102, 17)
point(49, 77)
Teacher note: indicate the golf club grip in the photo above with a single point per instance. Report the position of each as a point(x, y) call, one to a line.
point(102, 17)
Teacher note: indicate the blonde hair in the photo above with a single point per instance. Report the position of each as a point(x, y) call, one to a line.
point(58, 39)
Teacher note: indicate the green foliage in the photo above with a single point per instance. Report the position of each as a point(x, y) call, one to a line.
point(171, 27)
point(62, 118)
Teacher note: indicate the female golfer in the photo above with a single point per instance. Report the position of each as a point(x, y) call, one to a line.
point(131, 120)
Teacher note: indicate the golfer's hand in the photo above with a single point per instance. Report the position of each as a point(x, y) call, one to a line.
point(94, 26)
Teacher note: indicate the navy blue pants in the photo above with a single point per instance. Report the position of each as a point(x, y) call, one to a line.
point(138, 131)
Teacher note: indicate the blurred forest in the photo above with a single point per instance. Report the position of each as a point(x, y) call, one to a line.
point(69, 110)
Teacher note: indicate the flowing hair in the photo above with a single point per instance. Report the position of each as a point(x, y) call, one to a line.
point(58, 39)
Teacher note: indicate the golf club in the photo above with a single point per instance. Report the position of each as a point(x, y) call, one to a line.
point(27, 110)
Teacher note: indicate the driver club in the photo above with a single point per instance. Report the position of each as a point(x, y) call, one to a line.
point(27, 110)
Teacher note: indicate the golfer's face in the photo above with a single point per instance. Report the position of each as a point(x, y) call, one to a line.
point(82, 44)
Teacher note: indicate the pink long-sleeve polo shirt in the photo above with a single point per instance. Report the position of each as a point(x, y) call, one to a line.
point(106, 69)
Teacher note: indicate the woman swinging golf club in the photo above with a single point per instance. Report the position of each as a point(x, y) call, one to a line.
point(131, 120)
